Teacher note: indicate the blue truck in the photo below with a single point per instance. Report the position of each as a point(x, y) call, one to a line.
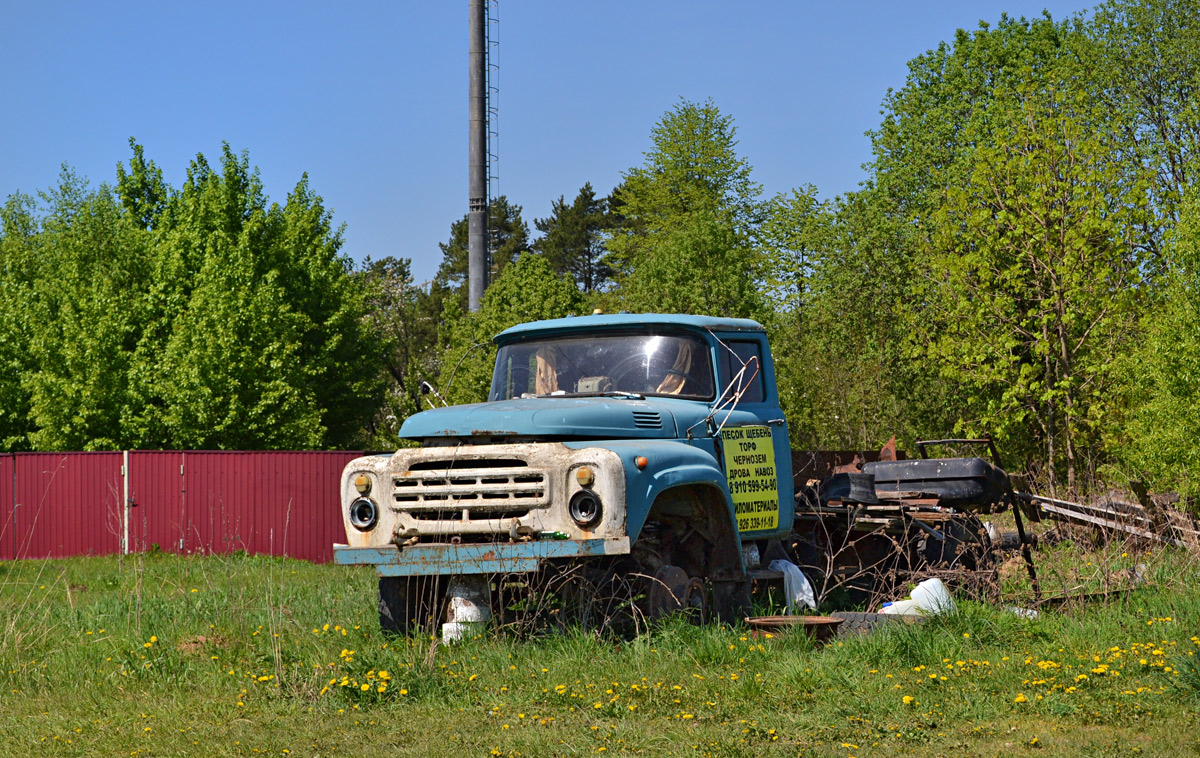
point(652, 445)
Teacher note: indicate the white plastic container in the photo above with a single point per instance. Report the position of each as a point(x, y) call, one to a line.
point(902, 608)
point(932, 597)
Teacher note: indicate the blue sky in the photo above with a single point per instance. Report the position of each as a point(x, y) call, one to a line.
point(370, 98)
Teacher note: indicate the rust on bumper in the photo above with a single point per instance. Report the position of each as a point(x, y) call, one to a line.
point(483, 558)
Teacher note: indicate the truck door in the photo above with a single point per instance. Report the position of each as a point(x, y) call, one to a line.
point(754, 439)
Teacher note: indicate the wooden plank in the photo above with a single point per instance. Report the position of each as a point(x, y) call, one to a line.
point(931, 515)
point(1071, 515)
point(1182, 525)
point(1084, 506)
point(765, 574)
point(872, 520)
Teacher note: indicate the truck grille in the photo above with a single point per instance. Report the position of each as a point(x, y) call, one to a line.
point(486, 488)
point(473, 514)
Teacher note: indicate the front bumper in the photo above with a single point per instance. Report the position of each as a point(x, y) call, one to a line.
point(475, 558)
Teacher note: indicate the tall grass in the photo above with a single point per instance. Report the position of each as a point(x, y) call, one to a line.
point(233, 654)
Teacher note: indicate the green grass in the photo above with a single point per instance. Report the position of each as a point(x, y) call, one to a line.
point(162, 655)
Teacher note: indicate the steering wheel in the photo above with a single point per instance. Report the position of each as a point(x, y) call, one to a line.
point(642, 369)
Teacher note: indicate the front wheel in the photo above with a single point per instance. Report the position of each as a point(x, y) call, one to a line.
point(731, 601)
point(411, 604)
point(673, 593)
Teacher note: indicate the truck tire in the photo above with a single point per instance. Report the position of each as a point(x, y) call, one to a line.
point(673, 593)
point(411, 604)
point(863, 623)
point(731, 601)
point(964, 544)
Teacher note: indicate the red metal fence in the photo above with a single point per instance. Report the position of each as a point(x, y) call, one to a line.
point(275, 503)
point(66, 504)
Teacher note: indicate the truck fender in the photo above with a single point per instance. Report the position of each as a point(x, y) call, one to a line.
point(670, 466)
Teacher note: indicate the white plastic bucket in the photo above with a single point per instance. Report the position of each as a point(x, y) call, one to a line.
point(468, 607)
point(468, 610)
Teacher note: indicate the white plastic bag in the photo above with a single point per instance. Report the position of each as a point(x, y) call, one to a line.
point(796, 586)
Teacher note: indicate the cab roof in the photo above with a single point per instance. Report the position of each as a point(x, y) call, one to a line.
point(627, 320)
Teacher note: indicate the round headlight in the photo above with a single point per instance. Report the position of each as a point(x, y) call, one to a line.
point(585, 509)
point(363, 514)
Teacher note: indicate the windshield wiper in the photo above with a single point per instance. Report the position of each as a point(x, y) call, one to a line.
point(605, 393)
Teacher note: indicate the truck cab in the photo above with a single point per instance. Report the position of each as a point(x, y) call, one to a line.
point(651, 442)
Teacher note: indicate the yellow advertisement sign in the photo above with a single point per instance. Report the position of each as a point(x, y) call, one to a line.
point(750, 470)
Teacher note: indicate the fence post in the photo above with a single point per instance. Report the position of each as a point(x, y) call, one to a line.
point(125, 503)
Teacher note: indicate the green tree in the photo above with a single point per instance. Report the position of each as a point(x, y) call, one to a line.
point(1145, 69)
point(1033, 278)
point(688, 219)
point(847, 372)
point(1158, 442)
point(508, 237)
point(573, 239)
point(787, 235)
point(138, 316)
point(882, 265)
point(403, 319)
point(20, 267)
point(701, 266)
point(259, 337)
point(527, 290)
point(85, 310)
point(143, 192)
point(232, 374)
point(921, 146)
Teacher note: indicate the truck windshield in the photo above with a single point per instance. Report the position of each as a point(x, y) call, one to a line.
point(645, 364)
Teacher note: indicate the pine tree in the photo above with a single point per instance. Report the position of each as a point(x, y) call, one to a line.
point(573, 239)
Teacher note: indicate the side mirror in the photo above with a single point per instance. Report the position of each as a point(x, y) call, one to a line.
point(428, 389)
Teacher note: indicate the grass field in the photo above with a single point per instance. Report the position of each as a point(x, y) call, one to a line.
point(163, 655)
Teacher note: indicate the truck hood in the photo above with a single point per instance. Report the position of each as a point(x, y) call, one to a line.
point(565, 417)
